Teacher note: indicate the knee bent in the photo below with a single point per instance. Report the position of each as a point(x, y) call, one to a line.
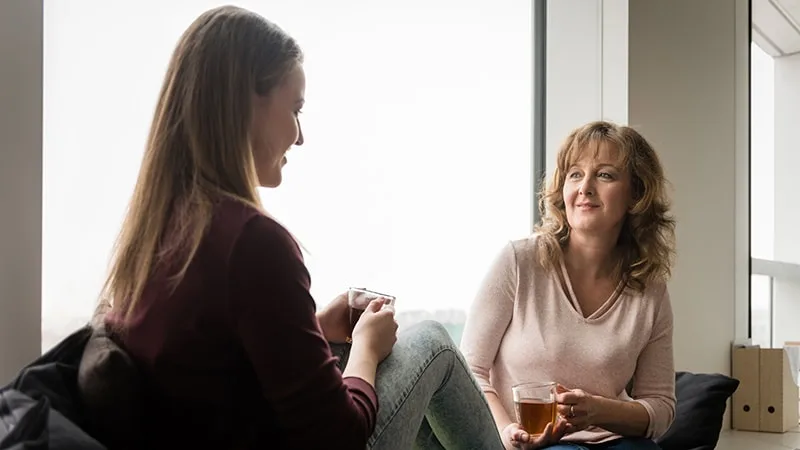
point(433, 334)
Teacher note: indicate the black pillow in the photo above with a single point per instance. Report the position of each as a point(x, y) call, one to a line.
point(701, 402)
point(33, 424)
point(110, 386)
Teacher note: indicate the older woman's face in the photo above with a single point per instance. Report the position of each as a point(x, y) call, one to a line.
point(597, 191)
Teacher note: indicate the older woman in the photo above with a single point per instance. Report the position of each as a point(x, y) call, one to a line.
point(583, 302)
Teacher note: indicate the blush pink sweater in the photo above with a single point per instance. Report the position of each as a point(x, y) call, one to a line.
point(524, 327)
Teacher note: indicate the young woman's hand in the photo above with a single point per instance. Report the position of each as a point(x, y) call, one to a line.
point(334, 320)
point(376, 330)
point(515, 437)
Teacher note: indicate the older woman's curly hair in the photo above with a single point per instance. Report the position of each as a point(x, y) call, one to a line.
point(647, 239)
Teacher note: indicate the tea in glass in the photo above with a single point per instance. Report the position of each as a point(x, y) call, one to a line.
point(535, 405)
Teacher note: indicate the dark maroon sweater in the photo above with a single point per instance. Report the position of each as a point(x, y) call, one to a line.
point(234, 356)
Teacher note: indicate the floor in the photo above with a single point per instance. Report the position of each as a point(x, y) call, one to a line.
point(743, 440)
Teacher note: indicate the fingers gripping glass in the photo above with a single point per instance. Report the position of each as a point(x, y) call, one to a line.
point(358, 299)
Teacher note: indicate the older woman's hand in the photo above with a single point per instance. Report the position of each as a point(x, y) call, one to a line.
point(514, 437)
point(577, 407)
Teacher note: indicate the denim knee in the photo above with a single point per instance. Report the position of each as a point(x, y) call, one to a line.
point(432, 333)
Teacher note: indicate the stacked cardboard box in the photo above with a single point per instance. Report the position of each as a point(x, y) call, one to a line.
point(768, 399)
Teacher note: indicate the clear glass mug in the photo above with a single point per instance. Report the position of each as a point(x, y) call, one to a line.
point(535, 405)
point(358, 299)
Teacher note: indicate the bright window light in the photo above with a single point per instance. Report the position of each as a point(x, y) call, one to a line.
point(417, 163)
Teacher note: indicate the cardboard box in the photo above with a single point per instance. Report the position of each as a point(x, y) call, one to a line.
point(767, 397)
point(744, 403)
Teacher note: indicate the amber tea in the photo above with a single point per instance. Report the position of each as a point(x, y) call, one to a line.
point(534, 415)
point(535, 405)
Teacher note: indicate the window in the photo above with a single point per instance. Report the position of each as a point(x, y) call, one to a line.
point(762, 198)
point(417, 163)
point(775, 249)
point(762, 148)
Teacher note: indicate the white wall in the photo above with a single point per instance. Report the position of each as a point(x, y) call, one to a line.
point(687, 94)
point(787, 211)
point(20, 183)
point(677, 71)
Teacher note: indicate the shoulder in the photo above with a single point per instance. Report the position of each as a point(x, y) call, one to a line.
point(526, 253)
point(519, 260)
point(265, 253)
point(231, 215)
point(655, 299)
point(261, 234)
point(657, 294)
point(238, 227)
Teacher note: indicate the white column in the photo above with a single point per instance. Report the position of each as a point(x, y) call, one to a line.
point(574, 70)
point(786, 306)
point(688, 96)
point(614, 60)
point(20, 184)
point(587, 64)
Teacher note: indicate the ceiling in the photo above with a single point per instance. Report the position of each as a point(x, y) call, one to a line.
point(776, 26)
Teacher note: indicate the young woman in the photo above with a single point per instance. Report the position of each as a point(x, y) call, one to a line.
point(210, 295)
point(583, 302)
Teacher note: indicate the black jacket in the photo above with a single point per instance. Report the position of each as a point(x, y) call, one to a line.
point(41, 407)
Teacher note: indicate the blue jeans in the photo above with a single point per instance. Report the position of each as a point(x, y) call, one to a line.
point(428, 398)
point(617, 444)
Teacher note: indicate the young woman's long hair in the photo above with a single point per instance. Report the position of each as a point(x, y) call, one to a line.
point(647, 239)
point(198, 150)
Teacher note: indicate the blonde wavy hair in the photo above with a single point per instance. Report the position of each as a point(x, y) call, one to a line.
point(646, 242)
point(198, 150)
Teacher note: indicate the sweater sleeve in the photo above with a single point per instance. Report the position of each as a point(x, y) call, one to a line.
point(489, 317)
point(274, 319)
point(654, 379)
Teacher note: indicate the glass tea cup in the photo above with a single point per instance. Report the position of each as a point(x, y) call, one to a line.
point(358, 299)
point(535, 405)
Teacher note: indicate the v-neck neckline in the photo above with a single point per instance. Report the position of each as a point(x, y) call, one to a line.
point(566, 287)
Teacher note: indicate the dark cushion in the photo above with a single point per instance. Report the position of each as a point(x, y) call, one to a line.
point(701, 403)
point(33, 424)
point(110, 386)
point(41, 408)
